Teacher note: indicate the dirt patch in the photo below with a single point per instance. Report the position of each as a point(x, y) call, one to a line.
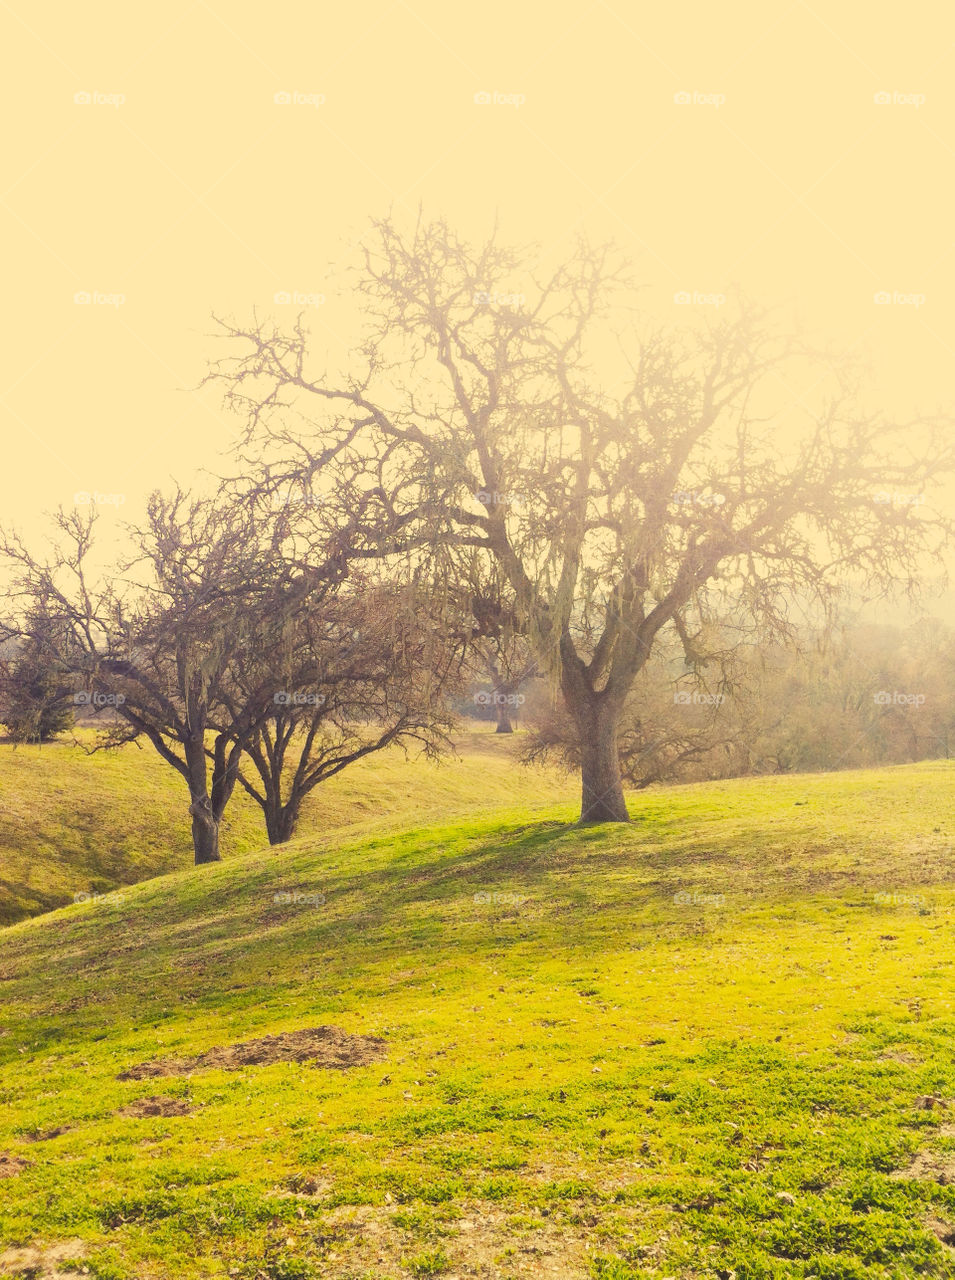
point(929, 1166)
point(156, 1107)
point(11, 1165)
point(481, 1239)
point(41, 1264)
point(44, 1135)
point(943, 1232)
point(900, 1056)
point(368, 1238)
point(323, 1046)
point(302, 1187)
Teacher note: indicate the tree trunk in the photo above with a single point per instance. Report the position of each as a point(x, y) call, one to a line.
point(205, 818)
point(503, 692)
point(601, 787)
point(205, 831)
point(503, 715)
point(280, 822)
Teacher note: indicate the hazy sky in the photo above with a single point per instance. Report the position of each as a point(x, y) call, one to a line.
point(170, 161)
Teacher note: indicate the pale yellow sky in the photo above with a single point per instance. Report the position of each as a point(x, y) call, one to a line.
point(152, 168)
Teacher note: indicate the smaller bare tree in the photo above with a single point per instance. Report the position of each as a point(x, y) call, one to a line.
point(330, 686)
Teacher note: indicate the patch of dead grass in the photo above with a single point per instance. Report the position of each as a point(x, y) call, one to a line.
point(328, 1047)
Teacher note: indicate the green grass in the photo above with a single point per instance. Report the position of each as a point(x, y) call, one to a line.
point(691, 1048)
point(79, 823)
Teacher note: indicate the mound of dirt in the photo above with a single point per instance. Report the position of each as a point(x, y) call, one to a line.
point(156, 1107)
point(322, 1046)
point(11, 1165)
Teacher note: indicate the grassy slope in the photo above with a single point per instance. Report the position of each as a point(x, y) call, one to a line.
point(602, 1080)
point(74, 823)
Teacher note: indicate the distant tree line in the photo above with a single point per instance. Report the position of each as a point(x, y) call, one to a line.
point(857, 696)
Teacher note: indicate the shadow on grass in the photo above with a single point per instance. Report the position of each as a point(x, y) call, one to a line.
point(23, 901)
point(417, 900)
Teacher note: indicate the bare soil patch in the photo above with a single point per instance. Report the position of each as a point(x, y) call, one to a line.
point(929, 1166)
point(483, 1244)
point(322, 1046)
point(11, 1165)
point(41, 1264)
point(929, 1102)
point(44, 1135)
point(944, 1233)
point(156, 1107)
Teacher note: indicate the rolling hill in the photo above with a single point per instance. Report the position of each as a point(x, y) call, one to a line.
point(718, 1042)
point(75, 822)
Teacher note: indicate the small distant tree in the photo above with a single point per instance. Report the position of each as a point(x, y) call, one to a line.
point(500, 654)
point(36, 700)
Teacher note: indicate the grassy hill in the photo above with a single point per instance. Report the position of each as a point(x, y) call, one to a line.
point(74, 822)
point(720, 1042)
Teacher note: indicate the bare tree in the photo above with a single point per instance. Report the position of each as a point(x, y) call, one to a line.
point(152, 644)
point(334, 684)
point(617, 473)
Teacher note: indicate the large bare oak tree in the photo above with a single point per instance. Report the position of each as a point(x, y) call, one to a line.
point(615, 472)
